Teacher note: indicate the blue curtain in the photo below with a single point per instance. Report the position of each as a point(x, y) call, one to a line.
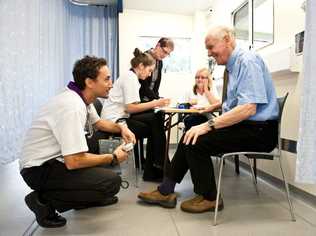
point(306, 148)
point(40, 41)
point(92, 30)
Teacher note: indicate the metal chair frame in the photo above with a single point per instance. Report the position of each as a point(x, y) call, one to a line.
point(276, 153)
point(137, 154)
point(138, 159)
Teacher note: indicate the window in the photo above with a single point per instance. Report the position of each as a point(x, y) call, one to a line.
point(262, 23)
point(253, 23)
point(178, 61)
point(241, 25)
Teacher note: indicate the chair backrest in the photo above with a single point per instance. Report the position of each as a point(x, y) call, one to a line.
point(281, 102)
point(98, 106)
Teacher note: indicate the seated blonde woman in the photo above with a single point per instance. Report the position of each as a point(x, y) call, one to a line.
point(203, 96)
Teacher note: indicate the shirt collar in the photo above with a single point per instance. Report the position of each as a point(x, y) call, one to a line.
point(72, 86)
point(151, 52)
point(232, 59)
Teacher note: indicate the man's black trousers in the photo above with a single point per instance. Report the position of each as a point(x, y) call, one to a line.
point(245, 136)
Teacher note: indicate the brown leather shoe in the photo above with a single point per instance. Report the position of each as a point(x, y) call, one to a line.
point(191, 201)
point(199, 204)
point(155, 197)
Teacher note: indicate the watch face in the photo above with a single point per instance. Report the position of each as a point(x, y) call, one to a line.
point(210, 123)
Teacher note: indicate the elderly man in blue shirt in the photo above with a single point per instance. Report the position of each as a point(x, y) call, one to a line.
point(248, 123)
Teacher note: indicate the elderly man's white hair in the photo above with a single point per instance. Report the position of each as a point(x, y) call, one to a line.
point(220, 32)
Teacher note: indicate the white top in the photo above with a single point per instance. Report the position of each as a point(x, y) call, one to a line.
point(125, 91)
point(58, 130)
point(202, 100)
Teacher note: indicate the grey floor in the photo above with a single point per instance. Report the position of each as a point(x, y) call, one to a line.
point(245, 212)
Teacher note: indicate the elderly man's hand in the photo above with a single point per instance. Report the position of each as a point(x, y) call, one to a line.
point(127, 135)
point(193, 133)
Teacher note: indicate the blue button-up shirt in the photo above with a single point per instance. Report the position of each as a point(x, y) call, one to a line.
point(249, 81)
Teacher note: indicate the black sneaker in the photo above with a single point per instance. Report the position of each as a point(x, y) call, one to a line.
point(58, 219)
point(45, 216)
point(106, 202)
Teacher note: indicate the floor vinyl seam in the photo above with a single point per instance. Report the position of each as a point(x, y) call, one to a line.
point(174, 223)
point(30, 230)
point(281, 192)
point(297, 215)
point(285, 206)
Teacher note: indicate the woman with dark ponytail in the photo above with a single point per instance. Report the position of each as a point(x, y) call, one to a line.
point(124, 105)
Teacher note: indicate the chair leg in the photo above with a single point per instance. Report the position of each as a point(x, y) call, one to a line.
point(216, 167)
point(139, 157)
point(218, 190)
point(255, 167)
point(217, 163)
point(141, 150)
point(237, 164)
point(287, 192)
point(177, 134)
point(254, 180)
point(137, 153)
point(135, 168)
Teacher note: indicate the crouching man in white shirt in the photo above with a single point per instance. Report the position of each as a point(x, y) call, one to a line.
point(55, 162)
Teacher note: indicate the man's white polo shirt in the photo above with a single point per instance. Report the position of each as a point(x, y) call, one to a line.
point(58, 130)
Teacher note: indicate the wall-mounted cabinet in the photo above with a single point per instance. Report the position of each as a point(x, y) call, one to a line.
point(283, 60)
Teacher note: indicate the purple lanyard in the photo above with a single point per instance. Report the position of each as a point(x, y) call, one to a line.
point(88, 126)
point(72, 86)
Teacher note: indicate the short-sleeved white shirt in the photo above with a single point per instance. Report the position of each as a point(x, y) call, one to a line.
point(125, 91)
point(202, 100)
point(58, 130)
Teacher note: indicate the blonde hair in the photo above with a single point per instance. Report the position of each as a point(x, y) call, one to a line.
point(209, 77)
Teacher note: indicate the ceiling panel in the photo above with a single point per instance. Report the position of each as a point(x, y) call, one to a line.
point(186, 7)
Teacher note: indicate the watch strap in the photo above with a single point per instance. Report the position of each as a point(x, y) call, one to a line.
point(114, 161)
point(211, 124)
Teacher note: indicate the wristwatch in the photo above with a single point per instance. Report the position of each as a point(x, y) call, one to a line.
point(121, 121)
point(114, 161)
point(211, 124)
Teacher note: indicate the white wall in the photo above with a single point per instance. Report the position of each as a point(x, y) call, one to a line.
point(134, 23)
point(199, 53)
point(222, 9)
point(289, 19)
